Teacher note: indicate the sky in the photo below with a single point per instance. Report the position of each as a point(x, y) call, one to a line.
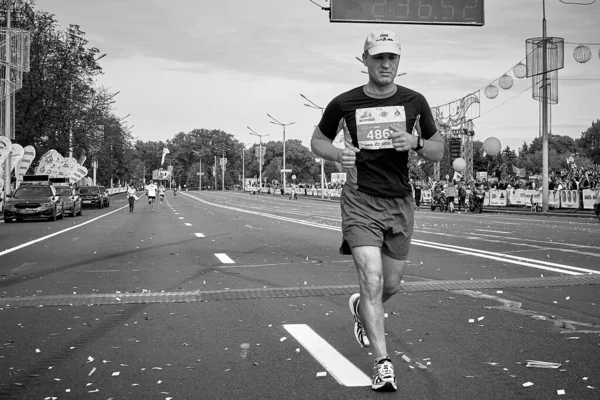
point(224, 64)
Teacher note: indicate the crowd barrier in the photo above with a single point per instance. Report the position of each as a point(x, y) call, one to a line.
point(567, 199)
point(113, 191)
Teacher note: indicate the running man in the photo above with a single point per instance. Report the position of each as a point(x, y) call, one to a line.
point(376, 204)
point(131, 196)
point(161, 192)
point(151, 192)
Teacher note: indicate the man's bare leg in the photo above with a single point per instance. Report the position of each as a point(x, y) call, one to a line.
point(379, 279)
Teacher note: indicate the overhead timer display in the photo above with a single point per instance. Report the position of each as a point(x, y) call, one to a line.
point(428, 12)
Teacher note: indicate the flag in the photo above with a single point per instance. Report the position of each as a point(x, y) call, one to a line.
point(519, 171)
point(457, 176)
point(165, 152)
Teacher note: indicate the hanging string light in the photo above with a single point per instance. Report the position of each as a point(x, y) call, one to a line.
point(582, 54)
point(491, 91)
point(506, 81)
point(520, 70)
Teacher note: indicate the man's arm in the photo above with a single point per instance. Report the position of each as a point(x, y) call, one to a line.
point(323, 147)
point(433, 148)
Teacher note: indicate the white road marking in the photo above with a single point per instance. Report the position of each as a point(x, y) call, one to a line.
point(199, 234)
point(4, 252)
point(338, 366)
point(180, 217)
point(528, 262)
point(487, 230)
point(187, 224)
point(224, 258)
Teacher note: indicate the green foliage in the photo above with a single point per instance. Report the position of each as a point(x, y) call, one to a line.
point(589, 143)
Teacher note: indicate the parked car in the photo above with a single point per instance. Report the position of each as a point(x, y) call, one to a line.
point(35, 198)
point(72, 203)
point(94, 196)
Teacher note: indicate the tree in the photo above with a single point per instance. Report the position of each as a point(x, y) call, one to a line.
point(589, 143)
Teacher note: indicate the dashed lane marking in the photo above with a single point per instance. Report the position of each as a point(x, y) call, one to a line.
point(187, 224)
point(224, 258)
point(522, 261)
point(199, 235)
point(180, 217)
point(338, 366)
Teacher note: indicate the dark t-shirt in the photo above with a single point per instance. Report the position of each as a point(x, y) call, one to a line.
point(381, 170)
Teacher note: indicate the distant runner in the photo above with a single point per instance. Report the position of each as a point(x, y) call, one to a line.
point(161, 192)
point(131, 196)
point(151, 192)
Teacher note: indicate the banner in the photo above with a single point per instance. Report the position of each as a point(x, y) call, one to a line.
point(481, 176)
point(164, 153)
point(68, 165)
point(5, 144)
point(338, 177)
point(589, 197)
point(25, 163)
point(497, 197)
point(426, 196)
point(569, 199)
point(76, 174)
point(16, 153)
point(49, 162)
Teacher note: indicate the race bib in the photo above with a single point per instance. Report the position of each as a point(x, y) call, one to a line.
point(373, 126)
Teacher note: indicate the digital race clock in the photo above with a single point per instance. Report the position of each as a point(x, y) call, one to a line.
point(439, 12)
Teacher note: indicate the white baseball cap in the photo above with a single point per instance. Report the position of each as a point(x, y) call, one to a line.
point(382, 41)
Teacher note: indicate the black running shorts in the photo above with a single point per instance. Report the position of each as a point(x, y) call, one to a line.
point(382, 222)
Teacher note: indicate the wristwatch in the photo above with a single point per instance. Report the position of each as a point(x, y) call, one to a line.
point(420, 144)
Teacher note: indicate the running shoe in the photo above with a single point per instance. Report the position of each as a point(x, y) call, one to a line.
point(359, 330)
point(384, 378)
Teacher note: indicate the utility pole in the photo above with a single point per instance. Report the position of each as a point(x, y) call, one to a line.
point(260, 157)
point(544, 112)
point(7, 98)
point(313, 105)
point(283, 125)
point(223, 172)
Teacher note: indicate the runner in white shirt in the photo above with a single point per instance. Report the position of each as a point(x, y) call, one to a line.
point(151, 191)
point(161, 192)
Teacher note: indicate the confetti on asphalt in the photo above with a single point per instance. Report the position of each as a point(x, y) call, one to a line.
point(471, 321)
point(298, 350)
point(568, 298)
point(405, 358)
point(92, 371)
point(321, 374)
point(560, 392)
point(528, 384)
point(116, 373)
point(38, 351)
point(480, 318)
point(541, 364)
point(90, 359)
point(282, 339)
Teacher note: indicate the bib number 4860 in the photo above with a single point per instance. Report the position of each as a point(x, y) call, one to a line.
point(378, 134)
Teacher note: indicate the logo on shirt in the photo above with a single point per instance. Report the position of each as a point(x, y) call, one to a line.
point(366, 116)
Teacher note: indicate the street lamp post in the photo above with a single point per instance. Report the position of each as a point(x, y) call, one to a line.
point(260, 157)
point(222, 169)
point(199, 169)
point(313, 105)
point(283, 125)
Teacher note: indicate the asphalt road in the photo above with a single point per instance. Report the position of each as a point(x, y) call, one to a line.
point(232, 296)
